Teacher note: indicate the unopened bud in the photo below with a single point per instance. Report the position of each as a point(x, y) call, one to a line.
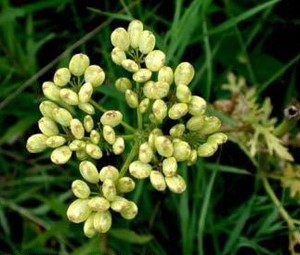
point(147, 42)
point(193, 157)
point(142, 75)
point(131, 98)
point(76, 145)
point(109, 134)
point(119, 204)
point(109, 189)
point(88, 123)
point(182, 150)
point(158, 180)
point(122, 84)
point(163, 146)
point(55, 141)
point(145, 153)
point(98, 204)
point(48, 127)
point(102, 221)
point(197, 106)
point(125, 185)
point(77, 128)
point(155, 60)
point(207, 149)
point(89, 171)
point(93, 151)
point(51, 91)
point(80, 189)
point(184, 73)
point(118, 55)
point(156, 90)
point(118, 146)
point(61, 155)
point(95, 136)
point(177, 130)
point(135, 30)
point(62, 116)
point(195, 123)
point(143, 106)
point(130, 211)
point(183, 93)
point(165, 74)
point(217, 138)
point(78, 64)
point(46, 108)
point(88, 227)
point(153, 134)
point(169, 166)
point(85, 92)
point(69, 96)
point(111, 118)
point(78, 210)
point(120, 38)
point(87, 108)
point(211, 125)
point(160, 109)
point(62, 77)
point(81, 155)
point(95, 75)
point(129, 65)
point(108, 172)
point(36, 143)
point(177, 111)
point(176, 183)
point(139, 169)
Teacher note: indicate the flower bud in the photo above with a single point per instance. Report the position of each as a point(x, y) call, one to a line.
point(61, 155)
point(88, 123)
point(160, 109)
point(51, 91)
point(165, 74)
point(211, 125)
point(95, 136)
point(118, 55)
point(93, 151)
point(129, 65)
point(48, 127)
point(119, 204)
point(142, 75)
point(111, 118)
point(122, 84)
point(36, 143)
point(176, 183)
point(153, 134)
point(62, 77)
point(69, 96)
point(62, 116)
point(109, 189)
point(95, 75)
point(78, 211)
point(109, 134)
point(169, 166)
point(158, 180)
point(145, 153)
point(207, 149)
point(193, 157)
point(197, 106)
point(135, 30)
point(87, 108)
point(217, 138)
point(102, 221)
point(55, 141)
point(85, 92)
point(183, 93)
point(76, 145)
point(143, 106)
point(88, 227)
point(139, 169)
point(146, 42)
point(177, 130)
point(182, 150)
point(98, 204)
point(46, 108)
point(78, 64)
point(130, 211)
point(118, 146)
point(80, 189)
point(156, 90)
point(155, 60)
point(131, 98)
point(184, 73)
point(81, 155)
point(120, 38)
point(125, 185)
point(89, 171)
point(77, 128)
point(163, 146)
point(195, 123)
point(108, 172)
point(177, 111)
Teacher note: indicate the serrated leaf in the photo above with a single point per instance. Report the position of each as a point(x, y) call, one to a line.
point(130, 236)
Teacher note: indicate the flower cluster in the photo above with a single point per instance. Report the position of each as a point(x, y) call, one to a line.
point(171, 128)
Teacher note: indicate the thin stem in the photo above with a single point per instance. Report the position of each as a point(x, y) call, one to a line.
point(129, 159)
point(139, 114)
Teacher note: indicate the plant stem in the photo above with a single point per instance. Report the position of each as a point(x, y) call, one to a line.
point(129, 159)
point(139, 114)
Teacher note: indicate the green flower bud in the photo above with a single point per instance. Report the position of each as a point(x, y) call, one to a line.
point(125, 185)
point(131, 98)
point(89, 171)
point(207, 149)
point(176, 183)
point(130, 211)
point(61, 155)
point(88, 227)
point(153, 134)
point(95, 136)
point(87, 108)
point(55, 141)
point(85, 92)
point(160, 109)
point(51, 91)
point(177, 130)
point(62, 77)
point(177, 111)
point(193, 157)
point(183, 93)
point(169, 166)
point(211, 125)
point(62, 116)
point(145, 153)
point(195, 123)
point(80, 189)
point(142, 75)
point(78, 64)
point(122, 84)
point(76, 145)
point(93, 151)
point(88, 123)
point(118, 146)
point(146, 42)
point(163, 146)
point(118, 55)
point(129, 65)
point(109, 134)
point(36, 143)
point(69, 96)
point(119, 204)
point(99, 204)
point(184, 73)
point(139, 169)
point(155, 60)
point(109, 189)
point(158, 180)
point(135, 30)
point(153, 119)
point(77, 128)
point(47, 126)
point(46, 108)
point(102, 221)
point(95, 75)
point(217, 138)
point(156, 90)
point(143, 106)
point(108, 172)
point(197, 106)
point(120, 38)
point(111, 118)
point(81, 155)
point(182, 150)
point(78, 211)
point(165, 74)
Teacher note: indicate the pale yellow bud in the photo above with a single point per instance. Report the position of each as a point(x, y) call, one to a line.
point(125, 185)
point(153, 134)
point(169, 166)
point(36, 143)
point(95, 136)
point(109, 134)
point(78, 64)
point(85, 92)
point(163, 146)
point(217, 138)
point(158, 180)
point(55, 141)
point(156, 90)
point(131, 98)
point(111, 118)
point(176, 183)
point(88, 227)
point(160, 109)
point(61, 155)
point(184, 73)
point(109, 189)
point(69, 96)
point(76, 145)
point(118, 55)
point(142, 75)
point(183, 93)
point(195, 123)
point(177, 111)
point(88, 123)
point(46, 108)
point(78, 210)
point(146, 42)
point(95, 75)
point(120, 38)
point(99, 204)
point(129, 65)
point(108, 172)
point(62, 116)
point(197, 106)
point(102, 221)
point(155, 60)
point(165, 74)
point(119, 204)
point(89, 171)
point(80, 189)
point(87, 108)
point(51, 91)
point(93, 151)
point(130, 211)
point(62, 77)
point(135, 30)
point(211, 125)
point(145, 153)
point(77, 128)
point(48, 127)
point(207, 149)
point(118, 146)
point(144, 104)
point(122, 84)
point(139, 169)
point(182, 150)
point(193, 157)
point(177, 130)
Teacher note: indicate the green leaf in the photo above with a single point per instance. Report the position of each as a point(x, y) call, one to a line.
point(130, 236)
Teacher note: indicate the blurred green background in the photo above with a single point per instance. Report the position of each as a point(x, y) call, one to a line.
point(257, 39)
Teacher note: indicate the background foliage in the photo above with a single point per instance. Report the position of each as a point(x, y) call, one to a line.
point(225, 209)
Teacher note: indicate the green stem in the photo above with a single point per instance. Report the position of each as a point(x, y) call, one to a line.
point(129, 159)
point(139, 114)
point(284, 127)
